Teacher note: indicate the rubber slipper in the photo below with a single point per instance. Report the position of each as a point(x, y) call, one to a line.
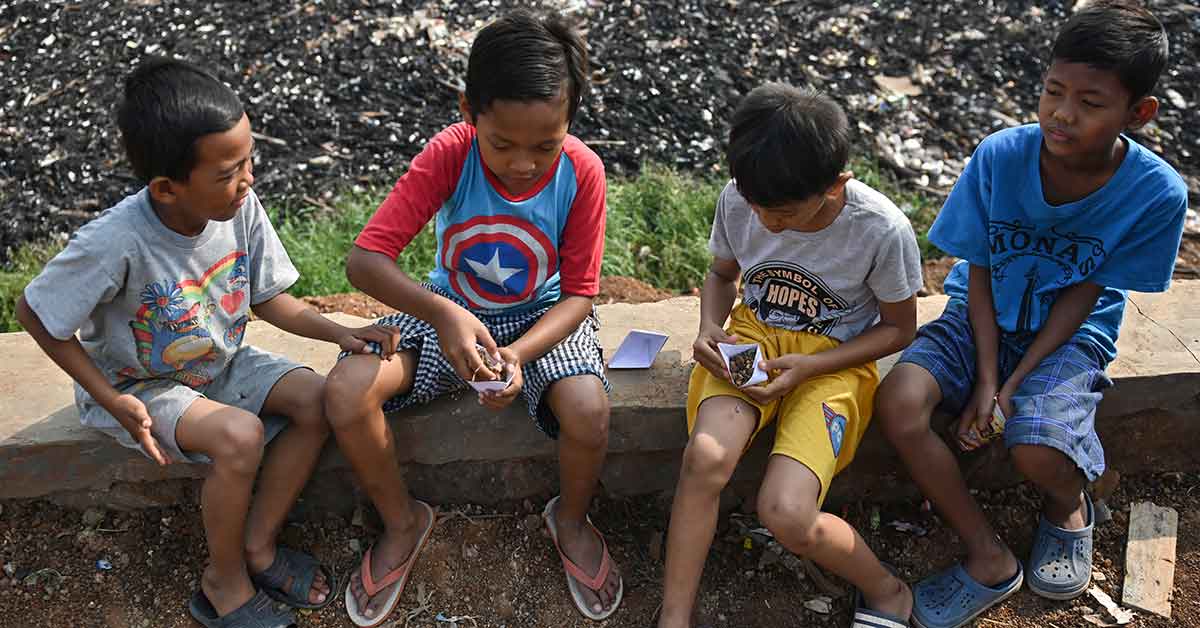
point(399, 574)
point(953, 598)
point(865, 617)
point(1060, 565)
point(576, 576)
point(302, 569)
point(259, 612)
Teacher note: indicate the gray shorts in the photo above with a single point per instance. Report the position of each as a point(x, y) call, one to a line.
point(245, 383)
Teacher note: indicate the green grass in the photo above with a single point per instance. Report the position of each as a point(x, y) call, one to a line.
point(24, 265)
point(657, 231)
point(658, 228)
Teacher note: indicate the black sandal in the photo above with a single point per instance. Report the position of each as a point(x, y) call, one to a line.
point(259, 612)
point(302, 569)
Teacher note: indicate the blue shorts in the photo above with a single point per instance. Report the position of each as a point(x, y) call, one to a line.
point(1054, 407)
point(577, 354)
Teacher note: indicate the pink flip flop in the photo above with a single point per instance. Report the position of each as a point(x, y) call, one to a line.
point(399, 574)
point(576, 576)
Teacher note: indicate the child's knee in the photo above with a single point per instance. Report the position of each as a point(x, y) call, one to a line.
point(345, 393)
point(240, 445)
point(904, 403)
point(1045, 466)
point(588, 421)
point(790, 516)
point(709, 463)
point(308, 409)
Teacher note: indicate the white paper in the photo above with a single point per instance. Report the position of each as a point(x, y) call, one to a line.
point(495, 385)
point(728, 351)
point(637, 350)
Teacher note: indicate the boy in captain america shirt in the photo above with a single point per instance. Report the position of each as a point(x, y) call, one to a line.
point(520, 210)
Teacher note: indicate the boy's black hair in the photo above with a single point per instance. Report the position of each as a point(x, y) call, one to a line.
point(523, 58)
point(167, 106)
point(1120, 36)
point(787, 144)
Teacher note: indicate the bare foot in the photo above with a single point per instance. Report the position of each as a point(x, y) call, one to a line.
point(390, 551)
point(584, 548)
point(225, 594)
point(257, 561)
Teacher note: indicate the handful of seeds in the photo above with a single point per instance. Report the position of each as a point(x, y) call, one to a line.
point(741, 366)
point(490, 363)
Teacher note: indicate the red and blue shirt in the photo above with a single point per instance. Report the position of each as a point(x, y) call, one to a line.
point(496, 251)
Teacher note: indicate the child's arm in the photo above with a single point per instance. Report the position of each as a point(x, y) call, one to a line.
point(1071, 308)
point(70, 357)
point(716, 301)
point(294, 316)
point(895, 330)
point(981, 312)
point(458, 330)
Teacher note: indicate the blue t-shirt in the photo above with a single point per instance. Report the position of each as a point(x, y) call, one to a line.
point(1124, 236)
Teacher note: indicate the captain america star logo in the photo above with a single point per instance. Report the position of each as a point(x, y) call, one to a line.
point(496, 262)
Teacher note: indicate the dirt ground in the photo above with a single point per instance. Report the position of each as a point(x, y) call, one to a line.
point(497, 568)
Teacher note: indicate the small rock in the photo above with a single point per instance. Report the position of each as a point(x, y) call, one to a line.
point(821, 604)
point(356, 519)
point(355, 545)
point(92, 517)
point(1177, 100)
point(10, 569)
point(470, 551)
point(531, 523)
point(1098, 577)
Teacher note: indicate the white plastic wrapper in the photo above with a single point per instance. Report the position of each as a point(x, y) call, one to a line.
point(728, 351)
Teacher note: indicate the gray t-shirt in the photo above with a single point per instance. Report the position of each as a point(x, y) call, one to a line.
point(151, 303)
point(826, 282)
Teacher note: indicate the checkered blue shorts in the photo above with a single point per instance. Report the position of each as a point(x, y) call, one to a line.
point(577, 354)
point(1056, 404)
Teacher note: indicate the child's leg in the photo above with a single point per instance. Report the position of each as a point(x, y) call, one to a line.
point(903, 408)
point(723, 427)
point(1060, 481)
point(233, 439)
point(581, 406)
point(355, 392)
point(287, 467)
point(788, 506)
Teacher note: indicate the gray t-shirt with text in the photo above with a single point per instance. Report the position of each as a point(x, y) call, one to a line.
point(152, 303)
point(827, 282)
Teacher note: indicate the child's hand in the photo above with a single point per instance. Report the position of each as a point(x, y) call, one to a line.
point(975, 417)
point(793, 368)
point(498, 400)
point(706, 353)
point(355, 340)
point(458, 333)
point(131, 413)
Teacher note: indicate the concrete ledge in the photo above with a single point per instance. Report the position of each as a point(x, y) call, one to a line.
point(454, 450)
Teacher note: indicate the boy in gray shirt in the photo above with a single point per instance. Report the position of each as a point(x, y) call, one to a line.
point(829, 270)
point(159, 289)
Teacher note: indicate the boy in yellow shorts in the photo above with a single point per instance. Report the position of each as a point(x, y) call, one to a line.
point(829, 273)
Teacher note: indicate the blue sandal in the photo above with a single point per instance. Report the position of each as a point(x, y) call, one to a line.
point(953, 598)
point(1060, 565)
point(302, 569)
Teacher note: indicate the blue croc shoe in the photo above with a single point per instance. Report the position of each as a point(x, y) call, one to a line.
point(1060, 565)
point(953, 598)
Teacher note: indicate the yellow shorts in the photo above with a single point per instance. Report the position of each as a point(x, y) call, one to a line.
point(821, 421)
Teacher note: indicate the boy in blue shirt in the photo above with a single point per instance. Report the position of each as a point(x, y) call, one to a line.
point(1053, 221)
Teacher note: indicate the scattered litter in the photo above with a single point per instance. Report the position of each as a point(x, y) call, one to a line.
point(874, 518)
point(1099, 576)
point(911, 528)
point(454, 621)
point(355, 545)
point(822, 604)
point(1121, 615)
point(10, 569)
point(103, 565)
point(49, 578)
